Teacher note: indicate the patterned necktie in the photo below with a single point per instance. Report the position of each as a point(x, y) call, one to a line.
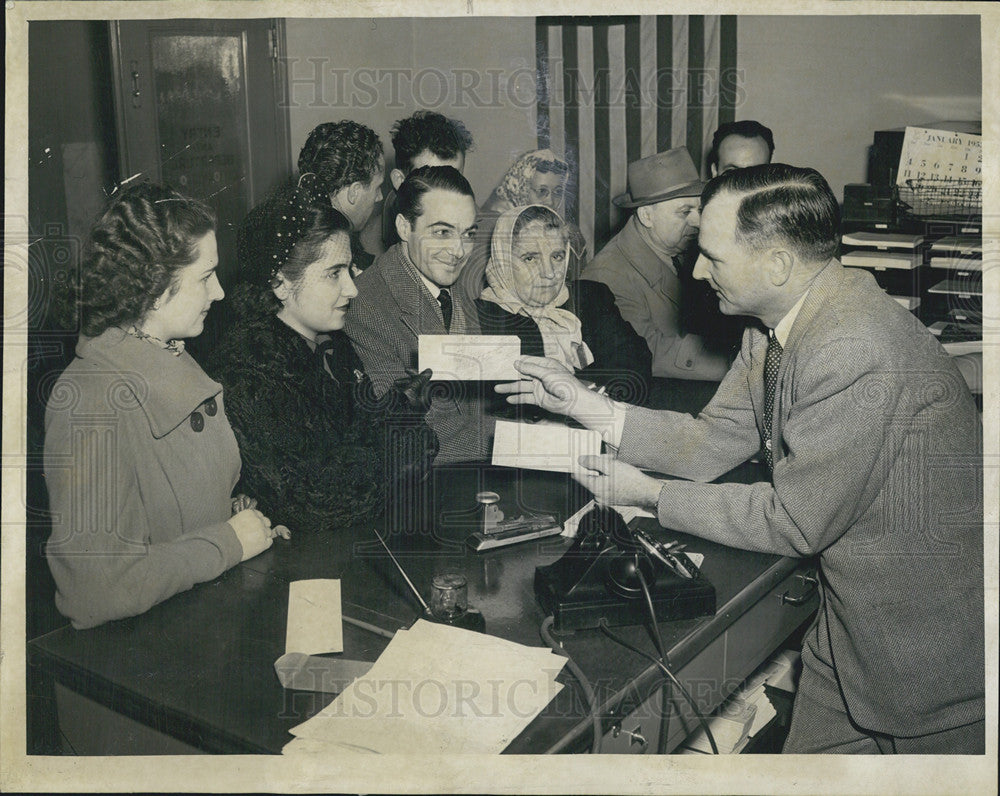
point(771, 364)
point(444, 299)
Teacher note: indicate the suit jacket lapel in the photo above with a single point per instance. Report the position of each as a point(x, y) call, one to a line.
point(824, 287)
point(416, 305)
point(755, 376)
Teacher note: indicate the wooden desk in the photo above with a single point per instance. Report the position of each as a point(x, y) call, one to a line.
point(196, 672)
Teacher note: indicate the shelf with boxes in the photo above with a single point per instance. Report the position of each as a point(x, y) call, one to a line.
point(916, 226)
point(895, 259)
point(954, 311)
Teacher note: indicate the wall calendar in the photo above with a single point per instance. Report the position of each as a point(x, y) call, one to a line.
point(939, 155)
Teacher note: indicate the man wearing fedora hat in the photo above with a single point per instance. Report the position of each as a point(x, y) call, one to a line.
point(640, 264)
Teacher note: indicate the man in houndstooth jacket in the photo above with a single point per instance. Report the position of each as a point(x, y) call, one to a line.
point(408, 292)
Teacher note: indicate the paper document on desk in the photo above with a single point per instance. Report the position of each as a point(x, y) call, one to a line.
point(437, 689)
point(545, 445)
point(469, 357)
point(314, 624)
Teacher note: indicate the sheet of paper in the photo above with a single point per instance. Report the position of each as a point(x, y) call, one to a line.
point(302, 672)
point(543, 446)
point(469, 357)
point(437, 689)
point(314, 623)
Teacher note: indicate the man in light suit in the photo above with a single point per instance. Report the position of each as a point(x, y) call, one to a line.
point(642, 264)
point(874, 453)
point(408, 292)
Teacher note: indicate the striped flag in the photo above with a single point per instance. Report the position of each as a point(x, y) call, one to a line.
point(612, 90)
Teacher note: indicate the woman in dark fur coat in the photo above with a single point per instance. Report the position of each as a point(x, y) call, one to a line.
point(319, 451)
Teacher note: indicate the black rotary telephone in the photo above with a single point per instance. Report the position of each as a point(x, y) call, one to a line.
point(597, 577)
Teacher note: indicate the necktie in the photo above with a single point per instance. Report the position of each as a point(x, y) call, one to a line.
point(444, 299)
point(771, 364)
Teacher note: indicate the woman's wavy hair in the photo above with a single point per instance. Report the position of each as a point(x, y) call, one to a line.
point(137, 248)
point(284, 236)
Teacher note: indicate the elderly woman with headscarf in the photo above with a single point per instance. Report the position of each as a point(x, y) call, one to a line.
point(319, 450)
point(535, 178)
point(576, 323)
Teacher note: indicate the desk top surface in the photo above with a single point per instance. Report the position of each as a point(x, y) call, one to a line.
point(201, 664)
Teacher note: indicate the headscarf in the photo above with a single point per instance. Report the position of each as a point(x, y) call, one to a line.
point(513, 187)
point(560, 329)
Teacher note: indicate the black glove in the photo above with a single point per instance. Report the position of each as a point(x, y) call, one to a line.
point(415, 391)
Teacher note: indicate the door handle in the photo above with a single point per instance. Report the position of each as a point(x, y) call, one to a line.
point(812, 584)
point(136, 92)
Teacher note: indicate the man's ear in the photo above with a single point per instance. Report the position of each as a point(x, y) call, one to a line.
point(403, 228)
point(354, 191)
point(643, 214)
point(713, 169)
point(780, 263)
point(339, 199)
point(396, 177)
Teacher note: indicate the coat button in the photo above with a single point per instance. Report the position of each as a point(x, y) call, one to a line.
point(689, 363)
point(211, 407)
point(197, 421)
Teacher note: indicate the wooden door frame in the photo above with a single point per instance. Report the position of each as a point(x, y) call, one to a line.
point(282, 123)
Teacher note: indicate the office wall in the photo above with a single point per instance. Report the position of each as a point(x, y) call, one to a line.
point(825, 84)
point(480, 71)
point(73, 153)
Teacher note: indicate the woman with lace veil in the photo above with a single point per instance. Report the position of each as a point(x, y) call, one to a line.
point(320, 452)
point(535, 178)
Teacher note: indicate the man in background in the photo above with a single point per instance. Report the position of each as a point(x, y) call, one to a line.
point(424, 139)
point(641, 264)
point(347, 157)
point(738, 145)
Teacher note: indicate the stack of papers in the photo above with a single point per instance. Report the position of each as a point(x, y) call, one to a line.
point(748, 710)
point(436, 689)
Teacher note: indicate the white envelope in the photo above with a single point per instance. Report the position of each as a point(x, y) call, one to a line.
point(469, 357)
point(543, 446)
point(314, 623)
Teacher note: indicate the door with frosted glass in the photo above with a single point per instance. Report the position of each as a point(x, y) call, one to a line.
point(199, 106)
